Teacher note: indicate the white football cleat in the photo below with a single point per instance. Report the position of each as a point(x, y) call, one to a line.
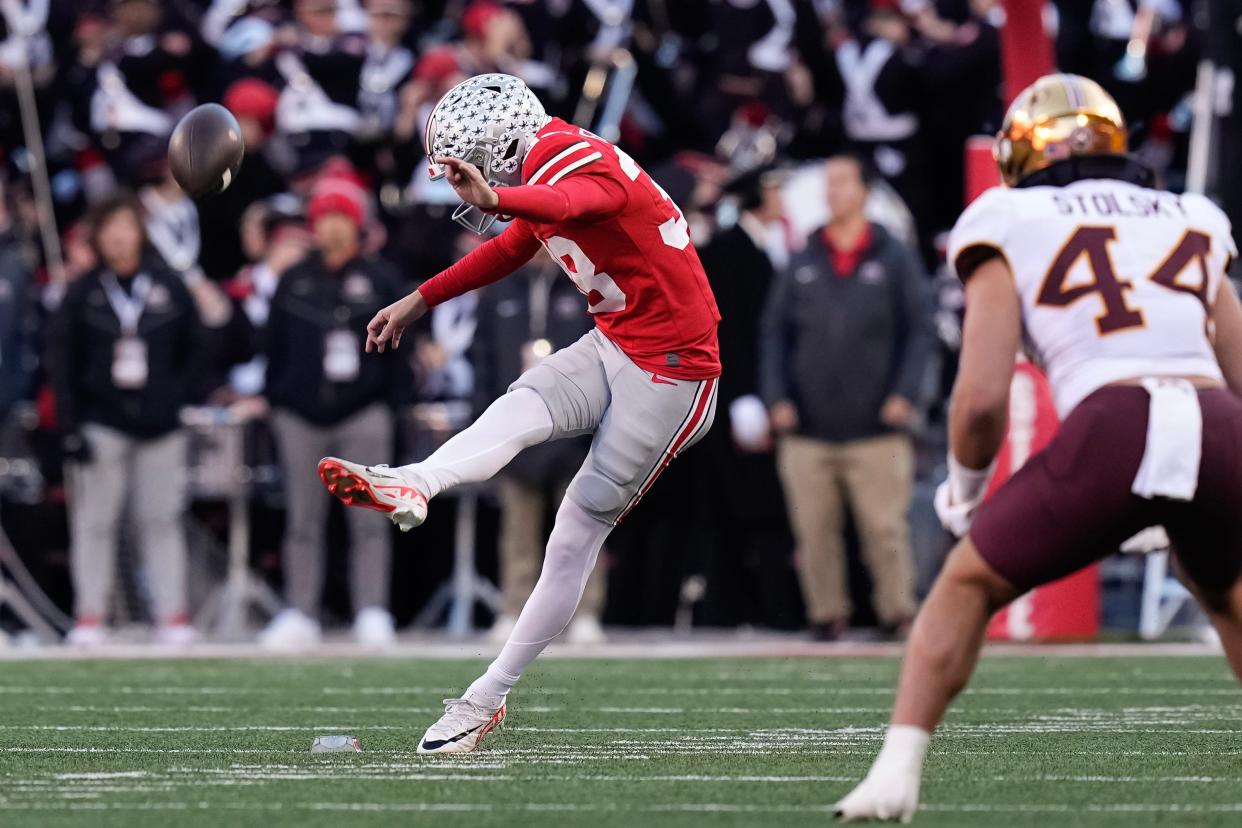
point(375, 487)
point(373, 627)
point(888, 794)
point(462, 727)
point(290, 631)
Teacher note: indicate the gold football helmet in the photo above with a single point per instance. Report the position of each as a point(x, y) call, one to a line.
point(1056, 117)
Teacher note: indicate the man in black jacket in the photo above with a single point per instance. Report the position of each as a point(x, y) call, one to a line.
point(327, 399)
point(846, 336)
point(749, 578)
point(124, 352)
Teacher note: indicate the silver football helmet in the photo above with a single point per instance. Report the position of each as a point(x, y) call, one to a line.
point(489, 121)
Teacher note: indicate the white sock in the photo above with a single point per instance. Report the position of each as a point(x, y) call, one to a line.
point(515, 421)
point(905, 747)
point(572, 550)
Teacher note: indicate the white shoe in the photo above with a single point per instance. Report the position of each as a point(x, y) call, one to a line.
point(6, 642)
point(585, 629)
point(87, 635)
point(461, 728)
point(289, 631)
point(176, 635)
point(888, 794)
point(375, 487)
point(373, 627)
point(502, 628)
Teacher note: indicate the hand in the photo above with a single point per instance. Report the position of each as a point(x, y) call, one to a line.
point(388, 325)
point(75, 448)
point(897, 412)
point(954, 517)
point(469, 183)
point(249, 408)
point(783, 417)
point(887, 794)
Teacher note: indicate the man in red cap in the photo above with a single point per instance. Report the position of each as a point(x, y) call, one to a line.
point(326, 398)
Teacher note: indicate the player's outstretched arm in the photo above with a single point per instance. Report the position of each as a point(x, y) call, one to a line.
point(489, 262)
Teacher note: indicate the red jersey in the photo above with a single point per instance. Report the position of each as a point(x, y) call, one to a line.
point(621, 240)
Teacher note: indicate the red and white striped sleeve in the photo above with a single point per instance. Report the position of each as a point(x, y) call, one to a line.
point(556, 155)
point(565, 179)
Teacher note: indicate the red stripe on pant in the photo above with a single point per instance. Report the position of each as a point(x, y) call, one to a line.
point(696, 420)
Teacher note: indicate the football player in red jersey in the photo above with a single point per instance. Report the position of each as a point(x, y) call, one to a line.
point(643, 381)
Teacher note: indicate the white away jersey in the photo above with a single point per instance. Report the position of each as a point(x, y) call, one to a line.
point(1116, 280)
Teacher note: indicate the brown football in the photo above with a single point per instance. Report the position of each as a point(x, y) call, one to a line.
point(205, 150)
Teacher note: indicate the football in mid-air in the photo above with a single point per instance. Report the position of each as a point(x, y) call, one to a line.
point(205, 150)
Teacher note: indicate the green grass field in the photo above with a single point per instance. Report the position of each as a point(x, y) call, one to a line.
point(1039, 741)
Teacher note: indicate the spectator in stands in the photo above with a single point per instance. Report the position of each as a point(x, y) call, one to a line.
point(962, 77)
point(748, 572)
point(123, 352)
point(881, 73)
point(329, 399)
point(131, 74)
point(522, 319)
point(17, 360)
point(274, 240)
point(320, 69)
point(266, 162)
point(846, 335)
point(387, 63)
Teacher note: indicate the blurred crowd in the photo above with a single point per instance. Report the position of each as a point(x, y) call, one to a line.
point(816, 147)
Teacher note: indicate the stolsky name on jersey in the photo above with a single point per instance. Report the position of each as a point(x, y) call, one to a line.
point(1106, 203)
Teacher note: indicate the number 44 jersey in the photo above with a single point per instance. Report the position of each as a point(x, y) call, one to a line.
point(640, 274)
point(1116, 280)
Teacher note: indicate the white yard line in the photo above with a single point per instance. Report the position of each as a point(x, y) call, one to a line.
point(606, 807)
point(536, 690)
point(643, 645)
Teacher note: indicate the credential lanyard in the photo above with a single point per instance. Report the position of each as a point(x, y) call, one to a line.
point(127, 307)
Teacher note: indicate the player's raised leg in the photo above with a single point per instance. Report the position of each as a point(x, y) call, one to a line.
point(513, 422)
point(563, 396)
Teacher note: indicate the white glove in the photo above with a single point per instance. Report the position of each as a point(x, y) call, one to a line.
point(958, 498)
point(891, 790)
point(889, 793)
point(955, 517)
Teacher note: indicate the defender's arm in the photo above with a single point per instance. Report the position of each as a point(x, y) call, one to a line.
point(991, 338)
point(1227, 315)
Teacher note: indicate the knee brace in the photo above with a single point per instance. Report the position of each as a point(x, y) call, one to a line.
point(597, 495)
